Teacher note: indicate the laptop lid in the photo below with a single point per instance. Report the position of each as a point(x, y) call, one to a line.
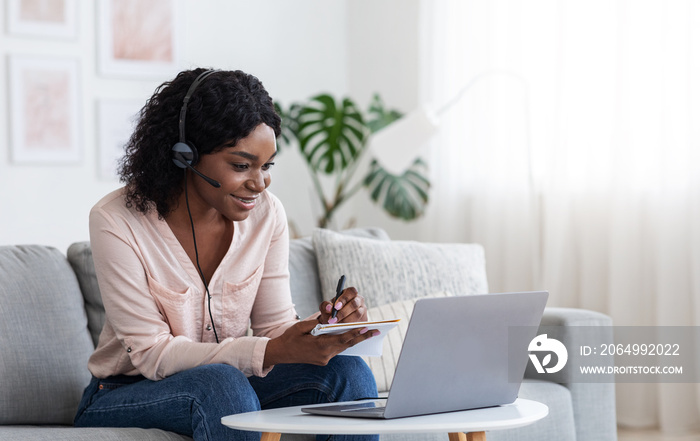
point(455, 354)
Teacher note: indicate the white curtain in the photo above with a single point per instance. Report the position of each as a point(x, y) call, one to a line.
point(573, 156)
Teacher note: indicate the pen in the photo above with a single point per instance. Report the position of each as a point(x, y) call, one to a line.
point(338, 291)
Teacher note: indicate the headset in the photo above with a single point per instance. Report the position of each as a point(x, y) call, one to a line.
point(185, 156)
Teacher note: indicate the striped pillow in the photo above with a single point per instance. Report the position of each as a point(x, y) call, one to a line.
point(383, 367)
point(389, 271)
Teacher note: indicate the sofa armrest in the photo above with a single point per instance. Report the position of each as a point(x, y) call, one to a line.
point(570, 326)
point(593, 402)
point(574, 317)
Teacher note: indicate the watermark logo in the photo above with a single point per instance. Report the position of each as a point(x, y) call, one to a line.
point(542, 344)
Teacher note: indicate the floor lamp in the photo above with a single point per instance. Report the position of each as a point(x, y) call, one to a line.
point(400, 143)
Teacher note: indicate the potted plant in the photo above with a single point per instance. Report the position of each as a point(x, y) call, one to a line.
point(333, 136)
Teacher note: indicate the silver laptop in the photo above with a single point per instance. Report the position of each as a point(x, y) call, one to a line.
point(458, 354)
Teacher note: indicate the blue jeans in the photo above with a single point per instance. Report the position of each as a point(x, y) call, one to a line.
point(193, 402)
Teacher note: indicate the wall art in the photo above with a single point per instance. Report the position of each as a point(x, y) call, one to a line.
point(43, 18)
point(44, 110)
point(138, 38)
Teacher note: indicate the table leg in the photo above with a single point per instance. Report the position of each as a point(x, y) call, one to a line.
point(270, 436)
point(471, 436)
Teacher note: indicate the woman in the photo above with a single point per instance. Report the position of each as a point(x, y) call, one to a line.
point(189, 254)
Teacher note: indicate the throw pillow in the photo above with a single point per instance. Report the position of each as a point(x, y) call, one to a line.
point(43, 335)
point(390, 271)
point(303, 269)
point(383, 367)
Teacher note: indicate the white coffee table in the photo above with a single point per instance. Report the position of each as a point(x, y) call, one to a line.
point(469, 425)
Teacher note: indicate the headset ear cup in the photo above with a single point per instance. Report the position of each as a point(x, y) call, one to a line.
point(184, 151)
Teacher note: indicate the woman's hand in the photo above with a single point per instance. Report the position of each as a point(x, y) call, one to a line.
point(297, 345)
point(350, 306)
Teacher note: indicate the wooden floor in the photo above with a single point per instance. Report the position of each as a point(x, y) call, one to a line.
point(653, 435)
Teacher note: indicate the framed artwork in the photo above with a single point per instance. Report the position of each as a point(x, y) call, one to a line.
point(139, 38)
point(116, 122)
point(44, 110)
point(43, 18)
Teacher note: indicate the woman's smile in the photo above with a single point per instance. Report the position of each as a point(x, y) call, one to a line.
point(248, 202)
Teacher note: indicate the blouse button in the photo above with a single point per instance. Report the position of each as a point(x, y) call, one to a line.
point(128, 349)
point(208, 327)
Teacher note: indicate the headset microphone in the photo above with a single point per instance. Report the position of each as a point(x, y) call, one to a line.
point(180, 159)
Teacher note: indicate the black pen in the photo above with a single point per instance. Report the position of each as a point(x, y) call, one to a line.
point(338, 291)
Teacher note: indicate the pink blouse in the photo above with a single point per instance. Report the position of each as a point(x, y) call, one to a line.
point(156, 317)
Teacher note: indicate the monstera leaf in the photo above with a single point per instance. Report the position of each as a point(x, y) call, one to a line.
point(404, 196)
point(290, 122)
point(380, 116)
point(331, 135)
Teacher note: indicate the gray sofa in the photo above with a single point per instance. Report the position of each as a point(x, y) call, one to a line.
point(51, 315)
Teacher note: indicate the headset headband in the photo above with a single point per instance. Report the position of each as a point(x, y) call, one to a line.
point(190, 91)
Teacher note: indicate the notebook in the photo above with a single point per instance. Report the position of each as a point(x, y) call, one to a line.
point(457, 354)
point(371, 347)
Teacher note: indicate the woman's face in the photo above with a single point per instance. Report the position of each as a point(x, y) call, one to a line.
point(242, 170)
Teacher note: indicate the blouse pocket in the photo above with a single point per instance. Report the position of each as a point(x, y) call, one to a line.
point(179, 309)
point(237, 303)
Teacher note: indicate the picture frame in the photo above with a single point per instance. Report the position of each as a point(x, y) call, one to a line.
point(139, 38)
point(43, 18)
point(44, 110)
point(116, 122)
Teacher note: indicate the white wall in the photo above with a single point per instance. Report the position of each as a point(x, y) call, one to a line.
point(383, 51)
point(384, 57)
point(296, 48)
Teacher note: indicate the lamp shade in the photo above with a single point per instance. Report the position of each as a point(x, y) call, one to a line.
point(397, 145)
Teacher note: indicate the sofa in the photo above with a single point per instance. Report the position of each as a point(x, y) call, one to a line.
point(51, 315)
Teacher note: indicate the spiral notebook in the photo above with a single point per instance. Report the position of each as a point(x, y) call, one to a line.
point(372, 347)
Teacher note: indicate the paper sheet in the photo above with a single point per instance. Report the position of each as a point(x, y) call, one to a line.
point(371, 347)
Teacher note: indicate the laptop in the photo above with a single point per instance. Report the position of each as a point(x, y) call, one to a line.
point(458, 354)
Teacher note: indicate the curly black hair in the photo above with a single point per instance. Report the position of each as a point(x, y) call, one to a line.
point(224, 108)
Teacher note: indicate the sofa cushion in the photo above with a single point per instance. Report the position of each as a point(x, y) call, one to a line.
point(385, 272)
point(304, 280)
point(80, 258)
point(44, 338)
point(383, 367)
point(65, 433)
